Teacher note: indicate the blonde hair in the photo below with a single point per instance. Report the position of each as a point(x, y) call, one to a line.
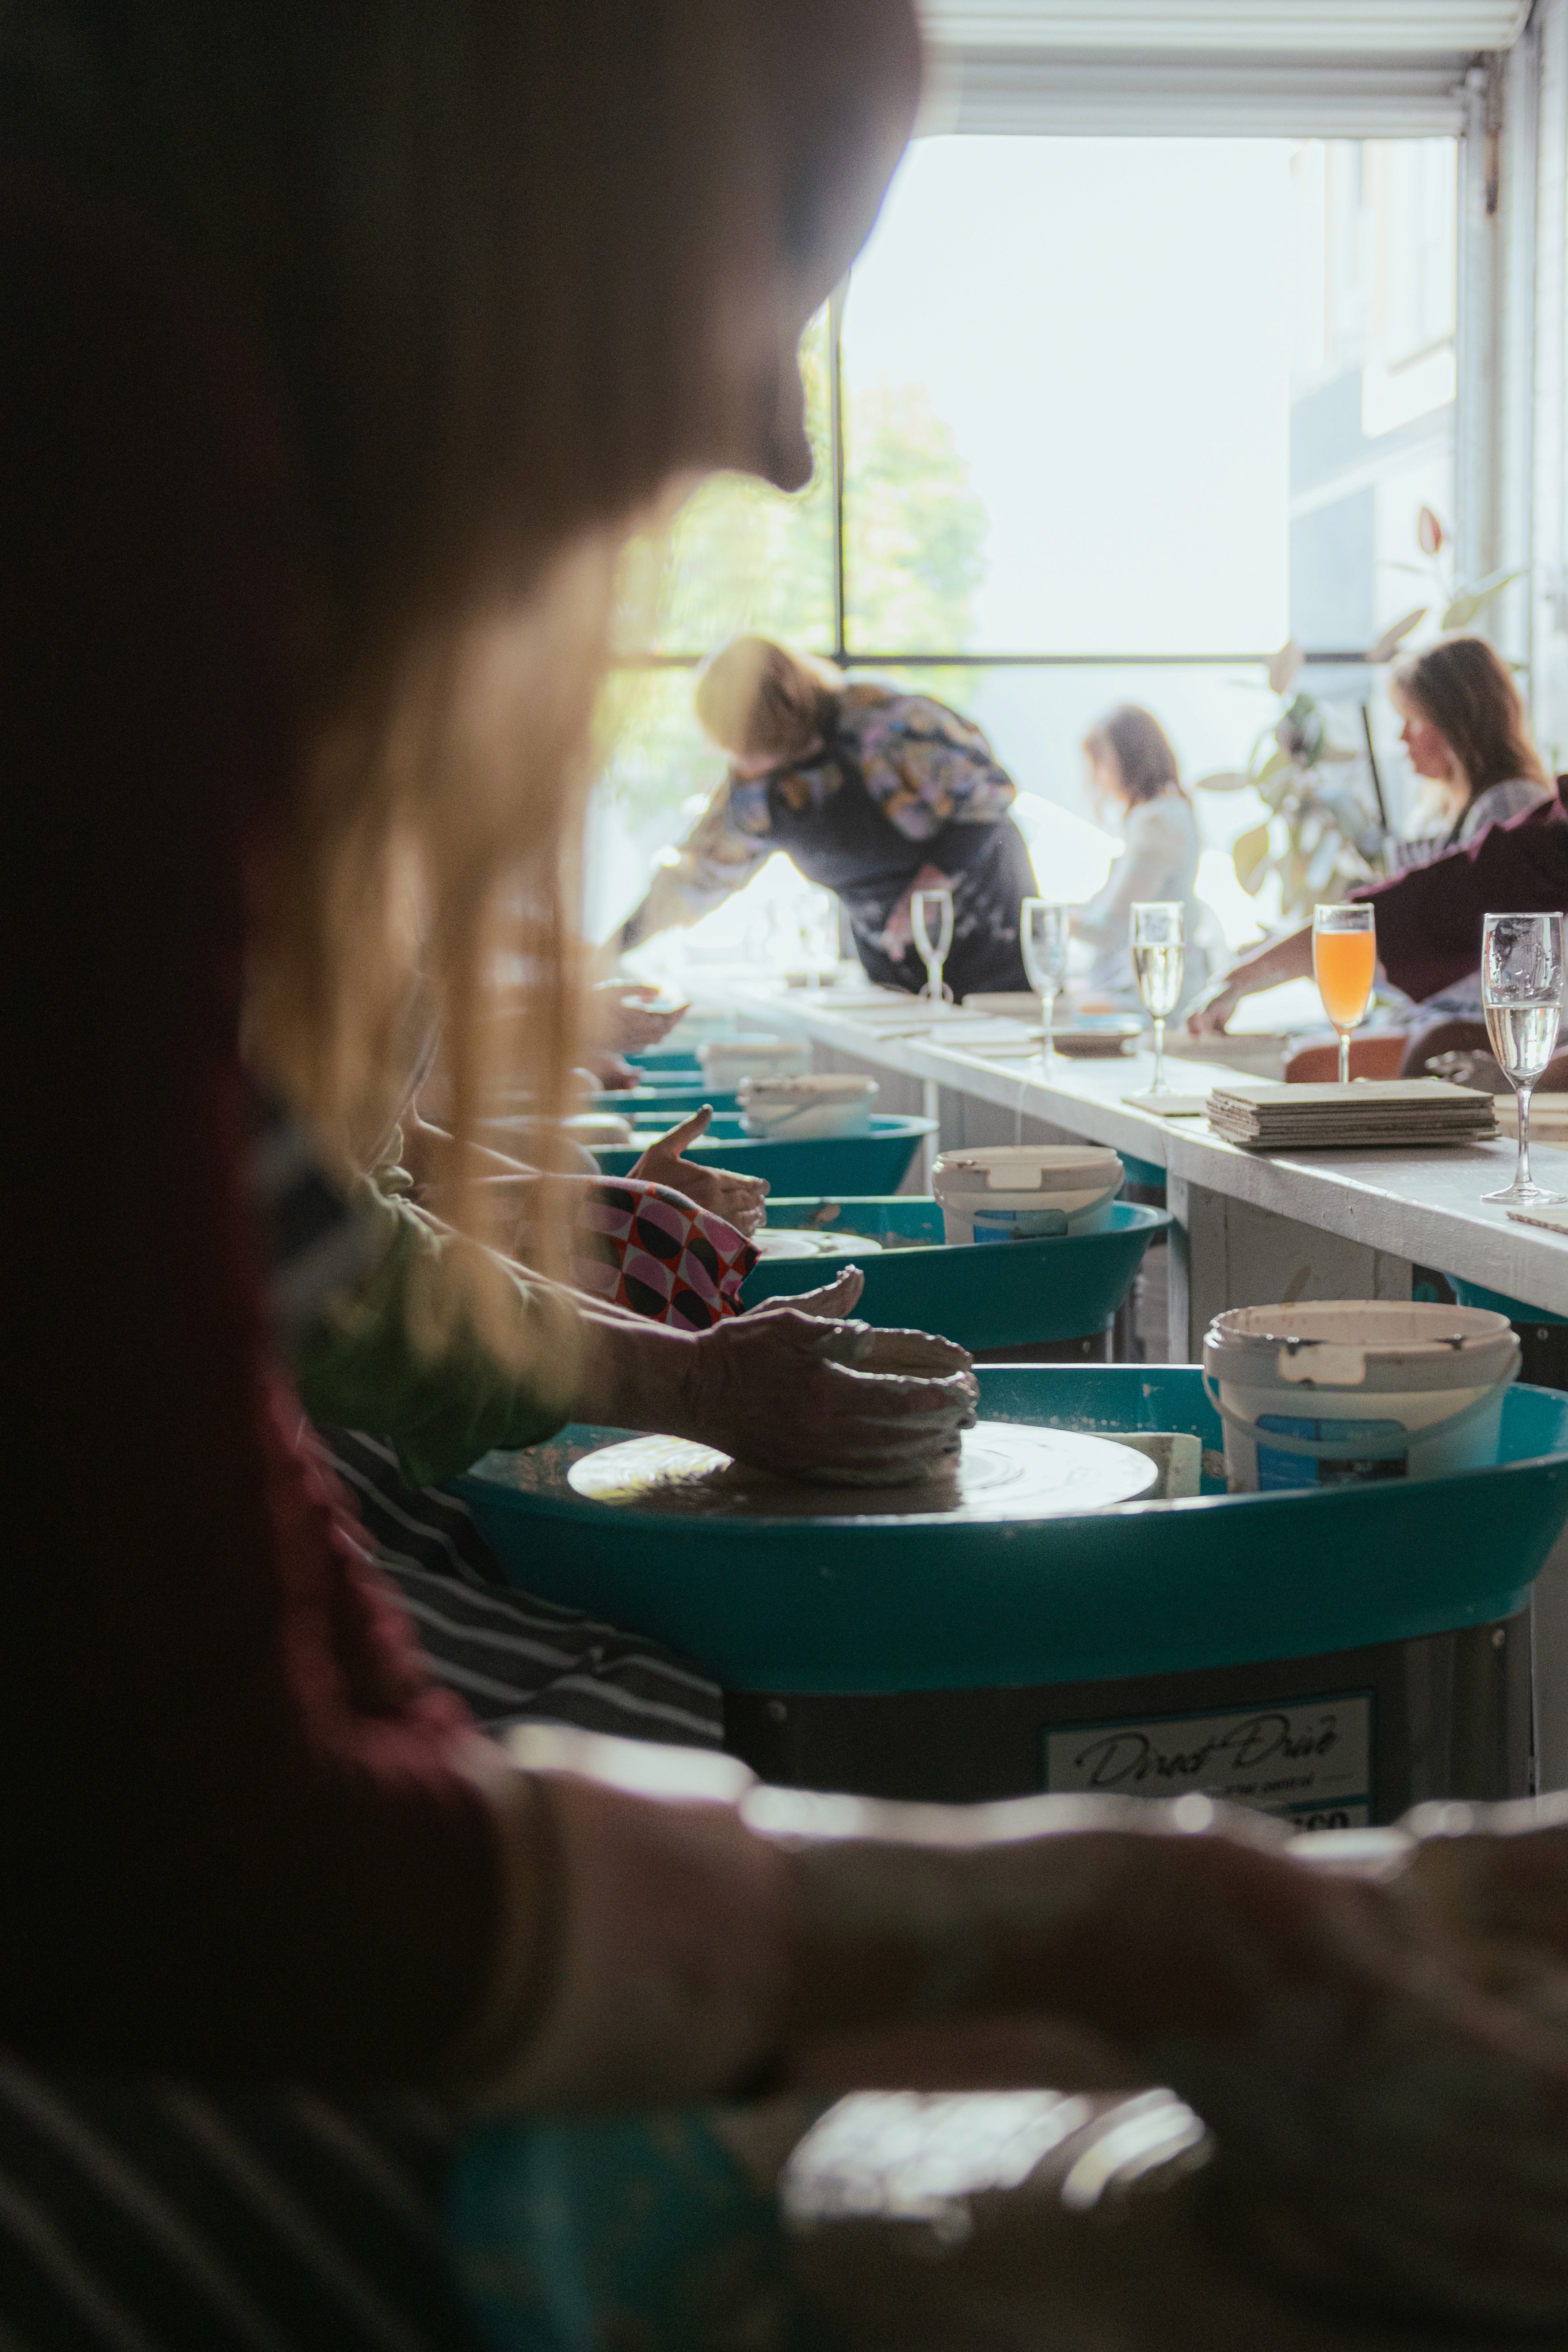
point(755, 696)
point(516, 265)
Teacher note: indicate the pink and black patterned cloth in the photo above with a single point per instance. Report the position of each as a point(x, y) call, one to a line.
point(644, 1246)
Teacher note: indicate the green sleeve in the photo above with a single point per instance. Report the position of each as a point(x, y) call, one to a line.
point(360, 1365)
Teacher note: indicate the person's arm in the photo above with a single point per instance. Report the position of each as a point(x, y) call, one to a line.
point(1278, 960)
point(1349, 2059)
point(718, 856)
point(1429, 920)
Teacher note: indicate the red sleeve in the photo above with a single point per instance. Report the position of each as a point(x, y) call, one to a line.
point(232, 1838)
point(1429, 920)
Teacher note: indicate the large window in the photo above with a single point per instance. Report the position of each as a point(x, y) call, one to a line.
point(1111, 418)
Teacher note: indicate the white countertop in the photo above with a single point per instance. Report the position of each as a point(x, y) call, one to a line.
point(1421, 1205)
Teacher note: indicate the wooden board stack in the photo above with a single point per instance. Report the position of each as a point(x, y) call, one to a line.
point(1370, 1114)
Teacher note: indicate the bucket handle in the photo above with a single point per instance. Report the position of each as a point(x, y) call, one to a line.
point(1353, 1449)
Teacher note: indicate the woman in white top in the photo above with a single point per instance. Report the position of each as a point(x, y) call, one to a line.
point(1132, 767)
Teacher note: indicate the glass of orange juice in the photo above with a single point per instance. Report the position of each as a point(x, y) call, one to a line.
point(1344, 962)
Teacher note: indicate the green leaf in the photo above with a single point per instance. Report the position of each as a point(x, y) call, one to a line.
point(1391, 638)
point(1249, 855)
point(1462, 611)
point(1227, 779)
point(1286, 667)
point(1276, 760)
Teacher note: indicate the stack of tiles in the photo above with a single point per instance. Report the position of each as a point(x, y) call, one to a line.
point(1370, 1115)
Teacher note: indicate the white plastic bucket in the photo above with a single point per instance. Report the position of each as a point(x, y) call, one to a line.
point(807, 1111)
point(1338, 1389)
point(1078, 1181)
point(726, 1061)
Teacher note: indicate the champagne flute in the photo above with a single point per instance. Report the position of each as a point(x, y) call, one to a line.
point(931, 917)
point(1159, 956)
point(1044, 933)
point(1521, 991)
point(1344, 964)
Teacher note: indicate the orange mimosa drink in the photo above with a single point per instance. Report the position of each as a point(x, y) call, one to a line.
point(1344, 963)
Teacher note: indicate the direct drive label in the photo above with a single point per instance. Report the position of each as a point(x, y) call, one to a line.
point(1308, 1759)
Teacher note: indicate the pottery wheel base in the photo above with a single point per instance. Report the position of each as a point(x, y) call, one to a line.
point(1005, 1471)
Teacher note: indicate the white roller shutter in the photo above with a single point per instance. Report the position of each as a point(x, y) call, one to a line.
point(1350, 69)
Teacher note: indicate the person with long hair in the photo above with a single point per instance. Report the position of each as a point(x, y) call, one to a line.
point(344, 347)
point(1464, 729)
point(1133, 773)
point(871, 793)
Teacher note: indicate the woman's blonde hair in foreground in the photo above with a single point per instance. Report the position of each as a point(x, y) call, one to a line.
point(756, 698)
point(517, 266)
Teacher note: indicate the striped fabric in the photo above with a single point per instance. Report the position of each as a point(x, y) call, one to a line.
point(141, 2217)
point(513, 1659)
point(154, 2216)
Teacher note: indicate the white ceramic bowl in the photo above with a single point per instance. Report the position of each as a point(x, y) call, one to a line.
point(599, 1128)
point(727, 1061)
point(807, 1109)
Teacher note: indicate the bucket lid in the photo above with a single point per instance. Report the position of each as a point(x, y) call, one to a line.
point(1026, 1168)
point(715, 1048)
point(827, 1085)
point(1367, 1343)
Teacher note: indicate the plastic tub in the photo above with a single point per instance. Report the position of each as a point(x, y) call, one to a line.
point(1335, 1390)
point(983, 1298)
point(663, 1103)
point(799, 1110)
point(1516, 1310)
point(1029, 1181)
point(877, 1162)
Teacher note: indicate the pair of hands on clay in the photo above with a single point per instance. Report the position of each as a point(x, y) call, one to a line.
point(797, 1389)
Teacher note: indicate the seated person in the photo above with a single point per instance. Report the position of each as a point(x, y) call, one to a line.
point(873, 794)
point(1466, 732)
point(1133, 774)
point(404, 1395)
point(1428, 918)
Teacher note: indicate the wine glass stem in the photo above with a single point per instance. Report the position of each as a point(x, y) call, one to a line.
point(1344, 1058)
point(1047, 1022)
point(1521, 1175)
point(1159, 1055)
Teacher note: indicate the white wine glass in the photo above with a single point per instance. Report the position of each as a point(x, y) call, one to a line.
point(1159, 957)
point(1522, 992)
point(931, 919)
point(1045, 934)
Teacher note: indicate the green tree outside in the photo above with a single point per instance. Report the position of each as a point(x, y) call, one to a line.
point(740, 556)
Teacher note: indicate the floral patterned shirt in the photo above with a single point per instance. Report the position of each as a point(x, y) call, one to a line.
point(922, 765)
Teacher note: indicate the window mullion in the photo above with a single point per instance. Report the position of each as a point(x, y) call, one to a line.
point(835, 454)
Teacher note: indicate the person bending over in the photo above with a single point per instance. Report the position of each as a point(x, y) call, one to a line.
point(872, 794)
